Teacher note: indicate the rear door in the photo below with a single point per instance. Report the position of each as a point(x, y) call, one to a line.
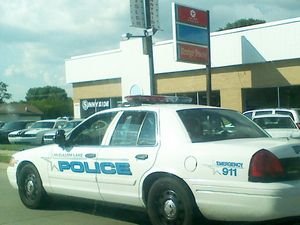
point(129, 153)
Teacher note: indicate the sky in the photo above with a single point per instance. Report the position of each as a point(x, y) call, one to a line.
point(37, 36)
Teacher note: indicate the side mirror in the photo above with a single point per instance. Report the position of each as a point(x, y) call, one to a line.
point(60, 138)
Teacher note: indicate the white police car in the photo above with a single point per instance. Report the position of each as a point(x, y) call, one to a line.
point(175, 160)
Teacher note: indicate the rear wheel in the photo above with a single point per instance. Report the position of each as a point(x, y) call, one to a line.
point(170, 203)
point(30, 187)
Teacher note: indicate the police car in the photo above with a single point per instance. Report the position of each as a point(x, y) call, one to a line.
point(177, 161)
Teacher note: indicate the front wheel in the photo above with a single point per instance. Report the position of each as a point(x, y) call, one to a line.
point(170, 203)
point(30, 187)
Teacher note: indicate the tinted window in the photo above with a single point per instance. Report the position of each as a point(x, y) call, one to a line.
point(212, 125)
point(92, 131)
point(135, 128)
point(43, 124)
point(15, 125)
point(248, 114)
point(275, 122)
point(285, 113)
point(262, 113)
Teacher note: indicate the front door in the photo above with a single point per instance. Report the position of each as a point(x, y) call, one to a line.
point(73, 169)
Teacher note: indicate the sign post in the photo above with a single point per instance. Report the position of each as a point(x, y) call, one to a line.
point(145, 14)
point(191, 33)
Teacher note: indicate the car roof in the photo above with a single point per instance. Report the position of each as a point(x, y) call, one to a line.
point(271, 116)
point(156, 107)
point(271, 109)
point(50, 120)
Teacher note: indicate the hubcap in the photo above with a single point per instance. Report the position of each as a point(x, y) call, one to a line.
point(170, 209)
point(30, 187)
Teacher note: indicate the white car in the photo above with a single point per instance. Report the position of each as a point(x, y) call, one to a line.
point(48, 137)
point(175, 160)
point(34, 134)
point(278, 125)
point(294, 113)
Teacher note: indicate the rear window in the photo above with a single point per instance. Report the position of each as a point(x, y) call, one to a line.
point(258, 113)
point(280, 112)
point(217, 124)
point(275, 122)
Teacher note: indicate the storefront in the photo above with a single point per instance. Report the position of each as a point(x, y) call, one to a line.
point(252, 67)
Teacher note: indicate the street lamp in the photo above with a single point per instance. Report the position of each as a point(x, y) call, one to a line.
point(148, 33)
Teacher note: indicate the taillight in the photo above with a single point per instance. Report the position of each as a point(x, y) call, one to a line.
point(298, 125)
point(265, 167)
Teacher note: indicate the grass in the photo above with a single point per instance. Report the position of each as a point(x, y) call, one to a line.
point(14, 147)
point(6, 150)
point(4, 158)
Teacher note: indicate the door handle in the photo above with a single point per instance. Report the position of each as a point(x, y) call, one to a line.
point(141, 156)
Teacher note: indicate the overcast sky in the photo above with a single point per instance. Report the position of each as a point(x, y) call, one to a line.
point(37, 36)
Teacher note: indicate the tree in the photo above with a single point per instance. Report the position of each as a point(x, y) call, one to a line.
point(3, 92)
point(242, 23)
point(48, 92)
point(52, 101)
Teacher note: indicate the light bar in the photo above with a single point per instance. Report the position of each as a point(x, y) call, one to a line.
point(157, 99)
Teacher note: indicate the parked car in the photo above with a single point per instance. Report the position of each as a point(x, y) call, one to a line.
point(34, 135)
point(49, 136)
point(294, 113)
point(278, 125)
point(174, 160)
point(13, 126)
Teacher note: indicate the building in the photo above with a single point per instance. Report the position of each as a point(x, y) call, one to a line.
point(252, 67)
point(19, 111)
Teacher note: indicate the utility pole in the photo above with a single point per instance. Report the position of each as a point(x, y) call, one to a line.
point(208, 67)
point(149, 46)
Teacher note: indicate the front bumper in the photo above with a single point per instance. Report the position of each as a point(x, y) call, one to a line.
point(12, 176)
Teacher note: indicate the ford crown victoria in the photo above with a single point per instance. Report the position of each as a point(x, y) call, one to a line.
point(175, 160)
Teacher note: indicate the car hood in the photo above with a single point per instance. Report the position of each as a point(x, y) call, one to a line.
point(18, 131)
point(42, 152)
point(37, 130)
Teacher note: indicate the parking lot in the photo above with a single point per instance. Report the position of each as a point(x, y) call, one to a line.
point(73, 212)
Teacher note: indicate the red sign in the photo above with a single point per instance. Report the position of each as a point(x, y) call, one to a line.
point(192, 53)
point(192, 16)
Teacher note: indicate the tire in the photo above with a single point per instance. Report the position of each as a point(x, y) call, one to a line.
point(30, 187)
point(170, 202)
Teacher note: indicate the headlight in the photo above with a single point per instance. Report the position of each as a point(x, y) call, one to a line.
point(12, 162)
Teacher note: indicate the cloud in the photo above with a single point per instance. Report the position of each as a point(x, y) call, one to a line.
point(37, 36)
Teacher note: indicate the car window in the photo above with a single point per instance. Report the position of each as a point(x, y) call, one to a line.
point(248, 114)
point(280, 112)
point(275, 122)
point(43, 124)
point(60, 124)
point(92, 131)
point(258, 113)
point(135, 128)
point(211, 125)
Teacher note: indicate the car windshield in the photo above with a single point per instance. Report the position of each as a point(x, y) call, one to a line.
point(43, 125)
point(205, 125)
point(71, 124)
point(14, 125)
point(275, 122)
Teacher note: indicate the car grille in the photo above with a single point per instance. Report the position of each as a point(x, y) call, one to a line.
point(49, 137)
